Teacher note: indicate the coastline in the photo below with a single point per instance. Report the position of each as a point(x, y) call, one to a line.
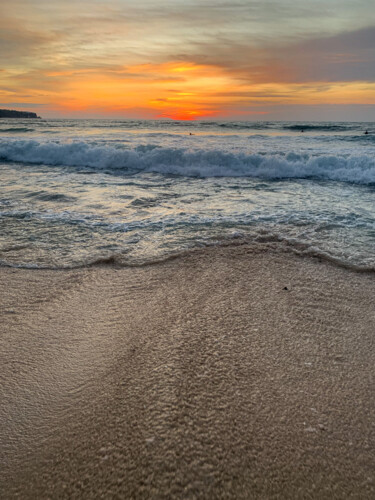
point(197, 377)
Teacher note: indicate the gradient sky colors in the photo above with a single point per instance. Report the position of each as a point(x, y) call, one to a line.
point(189, 59)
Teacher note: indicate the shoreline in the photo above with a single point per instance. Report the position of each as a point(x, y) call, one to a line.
point(197, 377)
point(270, 244)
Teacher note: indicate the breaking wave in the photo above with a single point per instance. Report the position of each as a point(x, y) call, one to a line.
point(358, 169)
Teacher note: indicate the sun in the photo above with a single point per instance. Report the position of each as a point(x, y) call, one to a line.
point(186, 115)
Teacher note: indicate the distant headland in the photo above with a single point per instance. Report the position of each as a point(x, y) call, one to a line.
point(11, 113)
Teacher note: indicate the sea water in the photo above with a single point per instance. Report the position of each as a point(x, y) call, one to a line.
point(79, 192)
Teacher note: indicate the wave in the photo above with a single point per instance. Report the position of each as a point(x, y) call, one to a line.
point(365, 139)
point(46, 196)
point(239, 125)
point(265, 243)
point(324, 127)
point(16, 130)
point(191, 163)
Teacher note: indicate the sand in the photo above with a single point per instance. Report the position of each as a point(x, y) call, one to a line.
point(201, 377)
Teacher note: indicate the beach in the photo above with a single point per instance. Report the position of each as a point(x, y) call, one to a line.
point(187, 250)
point(228, 372)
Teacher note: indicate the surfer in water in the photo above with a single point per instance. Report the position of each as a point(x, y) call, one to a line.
point(366, 133)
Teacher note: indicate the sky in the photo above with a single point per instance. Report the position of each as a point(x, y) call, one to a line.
point(189, 59)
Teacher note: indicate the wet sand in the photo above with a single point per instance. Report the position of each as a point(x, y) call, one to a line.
point(200, 377)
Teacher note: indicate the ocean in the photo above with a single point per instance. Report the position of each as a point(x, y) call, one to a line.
point(75, 193)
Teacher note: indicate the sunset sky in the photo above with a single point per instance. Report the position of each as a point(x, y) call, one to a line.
point(189, 59)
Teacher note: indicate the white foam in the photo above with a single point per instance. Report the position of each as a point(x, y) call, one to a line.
point(199, 163)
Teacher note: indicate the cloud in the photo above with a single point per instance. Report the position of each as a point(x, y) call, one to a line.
point(18, 44)
point(73, 54)
point(76, 34)
point(23, 104)
point(343, 57)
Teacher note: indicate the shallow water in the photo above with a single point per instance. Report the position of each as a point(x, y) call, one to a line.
point(76, 192)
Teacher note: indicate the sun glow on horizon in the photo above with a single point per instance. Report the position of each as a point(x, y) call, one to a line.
point(207, 91)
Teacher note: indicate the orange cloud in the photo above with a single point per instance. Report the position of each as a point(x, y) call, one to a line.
point(185, 91)
point(146, 86)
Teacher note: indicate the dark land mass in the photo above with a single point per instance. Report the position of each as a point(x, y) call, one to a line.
point(11, 113)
